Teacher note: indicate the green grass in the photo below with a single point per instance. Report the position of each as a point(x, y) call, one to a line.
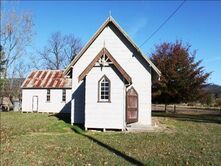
point(40, 139)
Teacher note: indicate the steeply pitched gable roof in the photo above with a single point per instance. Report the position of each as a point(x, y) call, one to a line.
point(104, 51)
point(106, 23)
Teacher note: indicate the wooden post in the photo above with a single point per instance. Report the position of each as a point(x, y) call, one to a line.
point(174, 108)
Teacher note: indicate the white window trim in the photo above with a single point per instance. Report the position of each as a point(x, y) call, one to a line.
point(99, 89)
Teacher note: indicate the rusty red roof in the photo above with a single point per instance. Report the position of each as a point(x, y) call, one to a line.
point(47, 79)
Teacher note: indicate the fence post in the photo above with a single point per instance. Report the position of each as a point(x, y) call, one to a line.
point(174, 108)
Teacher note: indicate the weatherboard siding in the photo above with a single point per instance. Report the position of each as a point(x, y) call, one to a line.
point(104, 114)
point(55, 105)
point(141, 77)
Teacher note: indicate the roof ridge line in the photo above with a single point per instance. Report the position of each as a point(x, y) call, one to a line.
point(97, 33)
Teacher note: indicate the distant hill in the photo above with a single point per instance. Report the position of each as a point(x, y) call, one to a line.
point(213, 89)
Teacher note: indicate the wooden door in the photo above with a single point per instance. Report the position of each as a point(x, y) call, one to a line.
point(132, 106)
point(35, 103)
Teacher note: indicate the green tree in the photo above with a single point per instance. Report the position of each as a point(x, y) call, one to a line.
point(182, 78)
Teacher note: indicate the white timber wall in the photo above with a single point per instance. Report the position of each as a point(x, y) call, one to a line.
point(108, 115)
point(141, 78)
point(55, 105)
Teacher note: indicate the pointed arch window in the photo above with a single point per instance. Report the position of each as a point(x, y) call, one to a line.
point(104, 89)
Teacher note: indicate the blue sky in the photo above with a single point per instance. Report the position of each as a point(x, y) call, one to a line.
point(197, 23)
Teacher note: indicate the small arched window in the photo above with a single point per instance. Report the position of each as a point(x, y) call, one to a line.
point(104, 89)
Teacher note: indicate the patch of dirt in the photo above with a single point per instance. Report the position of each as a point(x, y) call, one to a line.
point(157, 126)
point(160, 127)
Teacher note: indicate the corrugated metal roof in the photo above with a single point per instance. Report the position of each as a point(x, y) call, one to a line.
point(47, 79)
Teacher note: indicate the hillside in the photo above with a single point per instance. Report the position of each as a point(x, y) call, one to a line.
point(213, 89)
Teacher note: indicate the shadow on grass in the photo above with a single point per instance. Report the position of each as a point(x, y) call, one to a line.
point(66, 117)
point(80, 130)
point(202, 118)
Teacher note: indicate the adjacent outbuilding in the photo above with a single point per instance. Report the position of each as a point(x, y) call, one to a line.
point(46, 91)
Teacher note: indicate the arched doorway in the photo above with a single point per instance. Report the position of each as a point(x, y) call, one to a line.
point(131, 106)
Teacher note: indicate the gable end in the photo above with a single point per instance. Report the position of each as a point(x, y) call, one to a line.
point(104, 51)
point(110, 20)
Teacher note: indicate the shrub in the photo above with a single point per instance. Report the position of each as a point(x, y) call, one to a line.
point(218, 102)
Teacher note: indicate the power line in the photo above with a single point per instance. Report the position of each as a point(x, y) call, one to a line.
point(161, 25)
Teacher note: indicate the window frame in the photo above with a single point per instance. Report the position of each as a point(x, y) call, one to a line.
point(99, 90)
point(63, 97)
point(48, 95)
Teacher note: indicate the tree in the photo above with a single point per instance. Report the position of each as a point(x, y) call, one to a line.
point(21, 69)
point(59, 51)
point(2, 67)
point(16, 35)
point(182, 78)
point(2, 62)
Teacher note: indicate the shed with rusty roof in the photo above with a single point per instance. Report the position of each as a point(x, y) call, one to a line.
point(46, 91)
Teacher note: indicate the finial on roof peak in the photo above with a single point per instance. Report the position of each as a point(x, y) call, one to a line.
point(110, 13)
point(110, 16)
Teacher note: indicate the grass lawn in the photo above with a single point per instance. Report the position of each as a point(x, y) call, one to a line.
point(40, 139)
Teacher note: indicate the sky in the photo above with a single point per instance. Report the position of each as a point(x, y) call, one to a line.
point(196, 22)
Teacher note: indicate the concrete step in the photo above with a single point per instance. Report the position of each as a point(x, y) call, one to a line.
point(135, 127)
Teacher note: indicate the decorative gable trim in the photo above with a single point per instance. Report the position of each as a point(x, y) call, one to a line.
point(84, 49)
point(103, 52)
point(108, 21)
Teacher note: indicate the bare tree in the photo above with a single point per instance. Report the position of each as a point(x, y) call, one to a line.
point(2, 63)
point(59, 51)
point(18, 76)
point(16, 35)
point(2, 69)
point(21, 69)
point(73, 46)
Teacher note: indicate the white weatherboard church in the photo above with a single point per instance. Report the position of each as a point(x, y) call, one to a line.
point(106, 86)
